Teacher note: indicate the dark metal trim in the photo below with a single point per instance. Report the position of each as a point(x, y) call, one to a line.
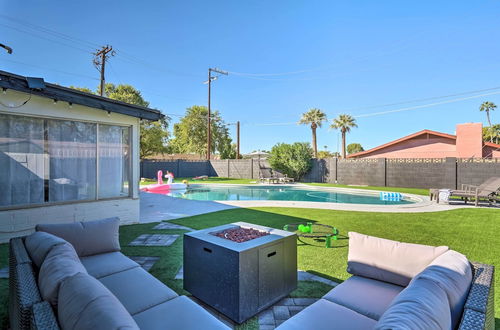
point(60, 93)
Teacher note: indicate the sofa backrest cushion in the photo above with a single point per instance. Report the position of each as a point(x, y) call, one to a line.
point(85, 303)
point(452, 272)
point(88, 238)
point(39, 245)
point(61, 262)
point(422, 305)
point(387, 260)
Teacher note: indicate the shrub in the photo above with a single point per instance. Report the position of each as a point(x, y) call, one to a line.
point(293, 160)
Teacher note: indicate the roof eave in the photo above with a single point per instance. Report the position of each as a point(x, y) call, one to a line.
point(60, 93)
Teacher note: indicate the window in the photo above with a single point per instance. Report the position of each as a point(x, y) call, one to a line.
point(47, 160)
point(114, 158)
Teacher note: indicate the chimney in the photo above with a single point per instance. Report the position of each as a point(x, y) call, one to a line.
point(470, 140)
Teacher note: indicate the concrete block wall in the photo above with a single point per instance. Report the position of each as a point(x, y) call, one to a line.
point(476, 171)
point(402, 172)
point(420, 173)
point(369, 172)
point(21, 222)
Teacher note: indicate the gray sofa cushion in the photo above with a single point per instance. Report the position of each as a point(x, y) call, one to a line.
point(60, 263)
point(178, 313)
point(364, 295)
point(84, 303)
point(453, 273)
point(387, 260)
point(326, 315)
point(39, 245)
point(137, 290)
point(422, 305)
point(88, 238)
point(105, 264)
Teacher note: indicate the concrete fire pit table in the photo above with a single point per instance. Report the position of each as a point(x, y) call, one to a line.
point(240, 279)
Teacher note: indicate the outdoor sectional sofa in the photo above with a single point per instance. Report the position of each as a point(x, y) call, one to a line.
point(403, 286)
point(77, 272)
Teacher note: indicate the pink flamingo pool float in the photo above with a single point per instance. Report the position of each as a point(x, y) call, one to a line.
point(162, 188)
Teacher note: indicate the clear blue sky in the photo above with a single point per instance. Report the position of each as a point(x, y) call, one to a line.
point(350, 55)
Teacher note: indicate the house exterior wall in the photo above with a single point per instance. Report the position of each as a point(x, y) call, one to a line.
point(469, 140)
point(419, 147)
point(21, 220)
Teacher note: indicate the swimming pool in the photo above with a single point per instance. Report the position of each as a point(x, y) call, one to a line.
point(282, 193)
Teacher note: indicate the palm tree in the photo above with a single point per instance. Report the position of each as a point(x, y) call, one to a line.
point(314, 117)
point(344, 123)
point(487, 107)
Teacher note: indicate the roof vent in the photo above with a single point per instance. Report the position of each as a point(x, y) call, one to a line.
point(35, 83)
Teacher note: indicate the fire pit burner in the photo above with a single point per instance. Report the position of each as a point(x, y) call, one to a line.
point(240, 235)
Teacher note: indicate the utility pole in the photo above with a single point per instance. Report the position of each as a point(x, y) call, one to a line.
point(100, 59)
point(209, 128)
point(238, 139)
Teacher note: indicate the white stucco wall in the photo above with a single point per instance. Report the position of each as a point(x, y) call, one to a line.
point(21, 221)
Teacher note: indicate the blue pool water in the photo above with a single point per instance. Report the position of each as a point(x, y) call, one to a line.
point(249, 193)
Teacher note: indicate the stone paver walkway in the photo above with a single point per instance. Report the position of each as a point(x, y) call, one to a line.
point(145, 262)
point(168, 225)
point(154, 240)
point(282, 311)
point(4, 272)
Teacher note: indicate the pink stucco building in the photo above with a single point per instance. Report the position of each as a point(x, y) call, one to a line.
point(468, 143)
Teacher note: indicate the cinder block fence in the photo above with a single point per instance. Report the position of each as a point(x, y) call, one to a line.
point(391, 172)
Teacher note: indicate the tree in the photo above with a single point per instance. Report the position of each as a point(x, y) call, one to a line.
point(487, 107)
point(352, 148)
point(315, 118)
point(82, 89)
point(492, 133)
point(191, 134)
point(293, 160)
point(154, 135)
point(344, 123)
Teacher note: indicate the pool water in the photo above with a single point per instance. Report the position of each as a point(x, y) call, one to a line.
point(251, 193)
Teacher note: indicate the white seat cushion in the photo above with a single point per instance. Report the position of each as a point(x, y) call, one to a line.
point(178, 313)
point(105, 264)
point(326, 315)
point(388, 261)
point(364, 295)
point(137, 290)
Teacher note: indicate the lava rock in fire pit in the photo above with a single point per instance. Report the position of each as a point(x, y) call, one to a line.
point(240, 235)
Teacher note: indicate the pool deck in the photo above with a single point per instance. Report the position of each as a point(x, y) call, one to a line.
point(155, 207)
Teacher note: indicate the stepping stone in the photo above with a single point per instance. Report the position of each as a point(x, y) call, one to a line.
point(180, 274)
point(305, 276)
point(4, 272)
point(168, 225)
point(154, 240)
point(145, 262)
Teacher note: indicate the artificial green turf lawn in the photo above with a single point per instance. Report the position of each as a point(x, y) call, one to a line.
point(469, 231)
point(209, 180)
point(473, 232)
point(415, 191)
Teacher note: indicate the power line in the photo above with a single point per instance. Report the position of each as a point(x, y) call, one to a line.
point(51, 69)
point(425, 105)
point(45, 38)
point(49, 31)
point(397, 110)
